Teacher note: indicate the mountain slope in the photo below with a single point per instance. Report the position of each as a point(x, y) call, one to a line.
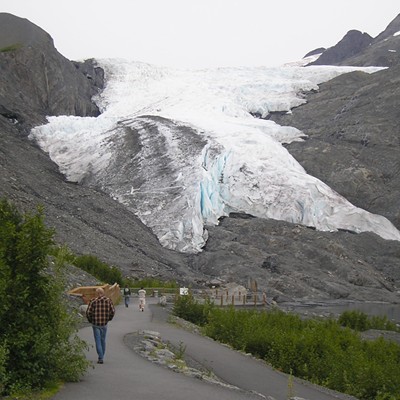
point(352, 43)
point(48, 83)
point(361, 49)
point(291, 261)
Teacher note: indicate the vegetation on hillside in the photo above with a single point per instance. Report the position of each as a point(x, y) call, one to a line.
point(106, 273)
point(12, 47)
point(38, 341)
point(98, 269)
point(326, 352)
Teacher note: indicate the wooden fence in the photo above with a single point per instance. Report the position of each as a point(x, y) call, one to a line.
point(226, 297)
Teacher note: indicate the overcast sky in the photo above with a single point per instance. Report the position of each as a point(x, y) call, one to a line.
point(201, 33)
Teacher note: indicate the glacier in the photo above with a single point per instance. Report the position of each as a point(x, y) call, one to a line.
point(181, 148)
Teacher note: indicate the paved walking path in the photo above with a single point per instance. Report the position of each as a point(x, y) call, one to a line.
point(126, 375)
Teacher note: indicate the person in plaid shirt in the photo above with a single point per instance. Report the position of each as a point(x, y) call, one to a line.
point(99, 312)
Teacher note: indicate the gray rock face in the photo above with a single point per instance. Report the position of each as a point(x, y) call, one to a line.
point(295, 262)
point(15, 31)
point(360, 49)
point(353, 43)
point(48, 83)
point(390, 30)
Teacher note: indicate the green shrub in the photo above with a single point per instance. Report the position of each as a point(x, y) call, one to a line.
point(105, 273)
point(382, 323)
point(38, 342)
point(188, 308)
point(321, 351)
point(3, 366)
point(99, 269)
point(360, 321)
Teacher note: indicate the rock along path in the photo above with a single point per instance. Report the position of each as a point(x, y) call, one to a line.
point(127, 375)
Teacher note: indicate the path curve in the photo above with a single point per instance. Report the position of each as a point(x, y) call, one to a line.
point(127, 375)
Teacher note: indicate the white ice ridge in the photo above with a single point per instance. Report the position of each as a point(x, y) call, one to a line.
point(237, 164)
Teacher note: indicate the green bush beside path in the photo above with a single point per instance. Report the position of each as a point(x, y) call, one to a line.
point(321, 351)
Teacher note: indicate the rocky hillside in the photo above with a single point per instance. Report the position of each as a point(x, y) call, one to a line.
point(352, 124)
point(354, 42)
point(36, 80)
point(360, 49)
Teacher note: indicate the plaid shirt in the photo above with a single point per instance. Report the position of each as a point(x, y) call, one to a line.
point(100, 310)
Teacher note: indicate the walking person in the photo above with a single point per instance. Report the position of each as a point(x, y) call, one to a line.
point(142, 298)
point(99, 312)
point(127, 296)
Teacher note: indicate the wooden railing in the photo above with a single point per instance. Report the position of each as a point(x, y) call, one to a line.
point(225, 297)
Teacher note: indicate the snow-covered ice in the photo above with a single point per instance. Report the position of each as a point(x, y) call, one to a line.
point(182, 148)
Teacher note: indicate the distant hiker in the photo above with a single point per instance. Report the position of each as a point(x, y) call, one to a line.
point(264, 298)
point(99, 312)
point(127, 296)
point(142, 298)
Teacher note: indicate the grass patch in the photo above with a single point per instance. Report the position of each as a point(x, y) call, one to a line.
point(12, 47)
point(47, 393)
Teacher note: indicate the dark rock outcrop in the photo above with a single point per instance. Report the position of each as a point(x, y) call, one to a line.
point(391, 29)
point(353, 43)
point(359, 49)
point(46, 82)
point(384, 50)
